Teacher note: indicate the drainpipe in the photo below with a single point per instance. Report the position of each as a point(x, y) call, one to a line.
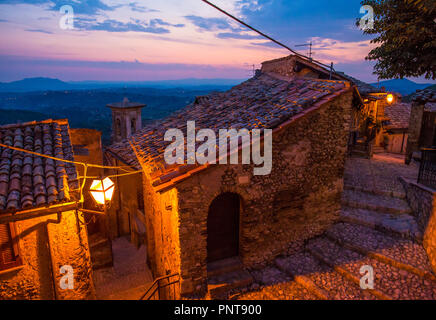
point(58, 221)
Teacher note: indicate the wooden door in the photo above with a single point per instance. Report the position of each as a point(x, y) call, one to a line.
point(223, 227)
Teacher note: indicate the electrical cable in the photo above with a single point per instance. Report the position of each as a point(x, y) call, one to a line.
point(65, 160)
point(265, 35)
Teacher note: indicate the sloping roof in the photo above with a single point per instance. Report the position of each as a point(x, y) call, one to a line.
point(265, 101)
point(28, 181)
point(399, 115)
point(424, 96)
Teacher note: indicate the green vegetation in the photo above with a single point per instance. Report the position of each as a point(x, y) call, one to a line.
point(405, 37)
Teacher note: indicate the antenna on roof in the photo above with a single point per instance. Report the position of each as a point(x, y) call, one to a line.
point(310, 48)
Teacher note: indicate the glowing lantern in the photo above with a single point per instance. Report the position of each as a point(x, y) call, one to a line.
point(390, 98)
point(102, 190)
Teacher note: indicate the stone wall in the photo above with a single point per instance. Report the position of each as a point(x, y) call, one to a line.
point(44, 245)
point(300, 199)
point(415, 124)
point(283, 66)
point(162, 223)
point(124, 205)
point(422, 200)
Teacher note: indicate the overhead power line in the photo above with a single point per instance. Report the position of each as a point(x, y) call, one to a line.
point(266, 36)
point(250, 27)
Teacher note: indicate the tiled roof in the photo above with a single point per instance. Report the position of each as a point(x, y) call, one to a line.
point(399, 115)
point(425, 96)
point(28, 181)
point(265, 101)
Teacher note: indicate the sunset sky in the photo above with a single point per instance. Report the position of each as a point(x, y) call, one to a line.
point(138, 40)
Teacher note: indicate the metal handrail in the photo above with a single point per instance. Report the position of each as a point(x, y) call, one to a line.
point(427, 168)
point(156, 286)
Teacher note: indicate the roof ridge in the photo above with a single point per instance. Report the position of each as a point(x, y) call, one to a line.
point(34, 123)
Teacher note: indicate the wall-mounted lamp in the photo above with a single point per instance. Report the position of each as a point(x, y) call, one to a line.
point(390, 98)
point(102, 190)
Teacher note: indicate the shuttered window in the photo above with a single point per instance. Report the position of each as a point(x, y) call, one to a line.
point(8, 248)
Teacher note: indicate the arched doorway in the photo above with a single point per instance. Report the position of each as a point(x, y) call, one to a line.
point(223, 227)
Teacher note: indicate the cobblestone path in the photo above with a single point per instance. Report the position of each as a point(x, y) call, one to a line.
point(376, 229)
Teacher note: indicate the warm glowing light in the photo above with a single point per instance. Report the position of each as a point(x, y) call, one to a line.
point(390, 98)
point(102, 190)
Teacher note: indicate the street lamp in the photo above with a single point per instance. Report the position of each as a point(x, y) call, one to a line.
point(390, 98)
point(102, 190)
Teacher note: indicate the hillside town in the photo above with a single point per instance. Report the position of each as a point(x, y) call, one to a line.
point(300, 183)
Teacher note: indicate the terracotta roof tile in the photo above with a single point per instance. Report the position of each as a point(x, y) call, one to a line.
point(28, 181)
point(399, 115)
point(265, 101)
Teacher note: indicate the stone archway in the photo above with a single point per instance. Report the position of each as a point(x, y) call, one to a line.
point(223, 227)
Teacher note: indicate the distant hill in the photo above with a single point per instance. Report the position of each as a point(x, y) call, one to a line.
point(403, 86)
point(49, 84)
point(410, 97)
point(34, 84)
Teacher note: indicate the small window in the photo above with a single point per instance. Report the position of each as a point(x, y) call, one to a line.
point(9, 257)
point(118, 127)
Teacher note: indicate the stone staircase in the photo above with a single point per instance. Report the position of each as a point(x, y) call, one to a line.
point(226, 276)
point(375, 229)
point(360, 149)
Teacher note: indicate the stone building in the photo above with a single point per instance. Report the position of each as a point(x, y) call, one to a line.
point(422, 126)
point(197, 216)
point(396, 127)
point(40, 222)
point(126, 119)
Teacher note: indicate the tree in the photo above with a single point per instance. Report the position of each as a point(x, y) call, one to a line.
point(406, 38)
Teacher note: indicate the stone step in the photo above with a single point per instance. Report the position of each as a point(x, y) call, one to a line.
point(224, 266)
point(389, 281)
point(129, 294)
point(359, 153)
point(360, 147)
point(220, 286)
point(392, 194)
point(290, 290)
point(270, 275)
point(376, 149)
point(401, 225)
point(101, 254)
point(363, 200)
point(320, 279)
point(400, 253)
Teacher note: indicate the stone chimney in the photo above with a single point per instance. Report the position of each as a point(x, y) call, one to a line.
point(126, 119)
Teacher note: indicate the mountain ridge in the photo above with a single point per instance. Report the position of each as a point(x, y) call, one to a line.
point(52, 84)
point(402, 86)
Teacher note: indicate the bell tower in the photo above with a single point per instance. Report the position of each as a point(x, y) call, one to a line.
point(126, 119)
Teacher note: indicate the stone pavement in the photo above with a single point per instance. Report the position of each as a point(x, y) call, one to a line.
point(130, 276)
point(376, 230)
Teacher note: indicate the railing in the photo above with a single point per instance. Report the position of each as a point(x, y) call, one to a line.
point(161, 288)
point(427, 169)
